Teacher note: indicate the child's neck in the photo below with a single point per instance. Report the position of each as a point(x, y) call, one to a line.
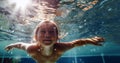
point(47, 50)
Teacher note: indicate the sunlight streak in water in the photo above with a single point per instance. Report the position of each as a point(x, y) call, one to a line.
point(20, 3)
point(26, 11)
point(102, 55)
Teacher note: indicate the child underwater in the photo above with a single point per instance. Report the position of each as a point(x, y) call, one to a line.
point(46, 48)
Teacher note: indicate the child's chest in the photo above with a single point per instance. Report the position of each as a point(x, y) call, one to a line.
point(51, 58)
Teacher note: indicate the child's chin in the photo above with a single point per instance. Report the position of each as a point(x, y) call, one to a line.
point(47, 44)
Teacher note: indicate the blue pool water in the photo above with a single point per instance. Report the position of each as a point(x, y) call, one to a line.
point(102, 20)
point(91, 59)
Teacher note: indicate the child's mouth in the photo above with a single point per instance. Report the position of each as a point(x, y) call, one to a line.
point(47, 42)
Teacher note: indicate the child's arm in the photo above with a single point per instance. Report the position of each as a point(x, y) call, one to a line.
point(94, 41)
point(18, 45)
point(68, 45)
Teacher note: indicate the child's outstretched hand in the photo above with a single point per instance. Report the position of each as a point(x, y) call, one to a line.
point(9, 47)
point(97, 40)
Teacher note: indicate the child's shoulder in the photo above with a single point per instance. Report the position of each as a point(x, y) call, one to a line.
point(32, 47)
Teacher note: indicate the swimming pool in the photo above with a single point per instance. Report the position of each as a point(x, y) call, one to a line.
point(102, 20)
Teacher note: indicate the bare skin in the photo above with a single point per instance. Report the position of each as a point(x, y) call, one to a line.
point(46, 49)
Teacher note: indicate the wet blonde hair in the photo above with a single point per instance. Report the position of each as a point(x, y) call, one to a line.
point(38, 27)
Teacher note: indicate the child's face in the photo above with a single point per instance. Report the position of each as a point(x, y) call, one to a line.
point(47, 34)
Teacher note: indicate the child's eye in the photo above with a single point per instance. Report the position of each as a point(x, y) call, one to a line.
point(51, 31)
point(42, 31)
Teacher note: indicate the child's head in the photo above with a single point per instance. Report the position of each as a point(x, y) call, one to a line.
point(46, 33)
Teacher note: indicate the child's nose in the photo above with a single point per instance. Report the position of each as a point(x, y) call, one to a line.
point(47, 35)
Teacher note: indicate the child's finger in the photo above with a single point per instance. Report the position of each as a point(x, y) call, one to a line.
point(8, 48)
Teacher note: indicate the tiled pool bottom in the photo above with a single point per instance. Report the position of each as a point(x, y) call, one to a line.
point(90, 59)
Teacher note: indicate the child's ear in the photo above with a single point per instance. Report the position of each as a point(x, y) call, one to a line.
point(58, 37)
point(35, 38)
